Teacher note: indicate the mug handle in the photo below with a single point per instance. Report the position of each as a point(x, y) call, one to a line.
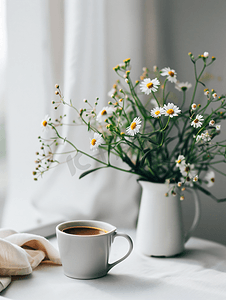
point(197, 214)
point(127, 254)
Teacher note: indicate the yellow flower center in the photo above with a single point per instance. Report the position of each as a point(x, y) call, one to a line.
point(149, 85)
point(170, 111)
point(157, 112)
point(179, 161)
point(171, 73)
point(196, 121)
point(93, 142)
point(44, 123)
point(133, 125)
point(212, 179)
point(104, 112)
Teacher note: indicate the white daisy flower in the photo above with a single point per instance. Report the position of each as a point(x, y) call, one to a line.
point(180, 161)
point(149, 85)
point(134, 126)
point(106, 112)
point(44, 123)
point(198, 138)
point(197, 122)
point(206, 54)
point(157, 112)
point(214, 95)
point(211, 123)
point(187, 170)
point(210, 178)
point(182, 86)
point(205, 136)
point(196, 178)
point(218, 127)
point(171, 110)
point(96, 141)
point(170, 73)
point(206, 92)
point(194, 106)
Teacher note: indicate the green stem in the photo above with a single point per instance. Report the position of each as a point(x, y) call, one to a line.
point(163, 93)
point(155, 98)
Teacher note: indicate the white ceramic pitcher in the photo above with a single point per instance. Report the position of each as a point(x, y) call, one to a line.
point(160, 229)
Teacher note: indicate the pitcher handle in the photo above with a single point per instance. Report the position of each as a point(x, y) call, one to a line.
point(197, 214)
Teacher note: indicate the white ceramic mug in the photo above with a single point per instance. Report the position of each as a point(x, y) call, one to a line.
point(86, 256)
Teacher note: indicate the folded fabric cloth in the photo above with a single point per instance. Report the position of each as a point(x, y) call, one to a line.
point(20, 253)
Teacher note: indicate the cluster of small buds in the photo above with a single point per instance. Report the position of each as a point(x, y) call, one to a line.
point(214, 94)
point(206, 92)
point(57, 92)
point(195, 106)
point(89, 112)
point(116, 68)
point(189, 174)
point(204, 136)
point(123, 66)
point(191, 55)
point(137, 82)
point(204, 56)
point(126, 61)
point(44, 159)
point(126, 76)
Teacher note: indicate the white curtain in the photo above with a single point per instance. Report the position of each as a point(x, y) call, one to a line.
point(76, 44)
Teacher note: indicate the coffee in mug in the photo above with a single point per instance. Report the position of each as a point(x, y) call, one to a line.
point(85, 246)
point(84, 230)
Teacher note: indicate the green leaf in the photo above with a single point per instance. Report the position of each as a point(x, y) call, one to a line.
point(90, 171)
point(202, 83)
point(144, 157)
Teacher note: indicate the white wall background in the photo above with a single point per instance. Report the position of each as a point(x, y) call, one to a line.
point(97, 37)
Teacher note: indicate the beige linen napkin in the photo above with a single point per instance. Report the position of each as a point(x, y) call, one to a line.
point(20, 253)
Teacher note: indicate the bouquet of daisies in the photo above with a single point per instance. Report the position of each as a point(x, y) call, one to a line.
point(156, 139)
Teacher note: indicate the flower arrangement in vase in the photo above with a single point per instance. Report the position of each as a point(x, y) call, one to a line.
point(156, 139)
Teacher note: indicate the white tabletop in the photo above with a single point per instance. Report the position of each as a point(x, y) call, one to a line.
point(198, 273)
